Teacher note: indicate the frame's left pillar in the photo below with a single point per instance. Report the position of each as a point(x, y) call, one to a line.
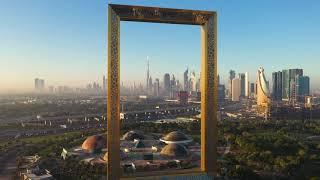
point(113, 109)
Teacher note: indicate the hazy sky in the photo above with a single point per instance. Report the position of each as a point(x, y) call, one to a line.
point(64, 42)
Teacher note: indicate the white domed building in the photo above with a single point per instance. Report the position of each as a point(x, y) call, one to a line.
point(94, 143)
point(132, 135)
point(175, 151)
point(176, 137)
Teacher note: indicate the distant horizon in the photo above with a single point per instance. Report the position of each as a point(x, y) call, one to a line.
point(99, 80)
point(65, 42)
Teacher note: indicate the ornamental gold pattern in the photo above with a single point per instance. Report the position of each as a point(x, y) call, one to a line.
point(113, 108)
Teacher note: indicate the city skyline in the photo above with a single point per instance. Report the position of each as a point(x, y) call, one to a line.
point(69, 46)
point(101, 82)
point(191, 82)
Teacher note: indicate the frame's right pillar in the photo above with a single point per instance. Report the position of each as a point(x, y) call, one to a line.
point(209, 97)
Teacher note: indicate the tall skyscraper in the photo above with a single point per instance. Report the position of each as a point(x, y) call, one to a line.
point(192, 82)
point(255, 88)
point(36, 84)
point(179, 87)
point(293, 73)
point(263, 100)
point(252, 89)
point(274, 86)
point(235, 89)
point(247, 85)
point(173, 87)
point(198, 84)
point(302, 87)
point(289, 82)
point(242, 78)
point(39, 84)
point(285, 84)
point(150, 86)
point(232, 75)
point(277, 86)
point(186, 80)
point(221, 92)
point(156, 87)
point(42, 84)
point(166, 83)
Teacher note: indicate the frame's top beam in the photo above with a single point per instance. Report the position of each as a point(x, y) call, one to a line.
point(161, 15)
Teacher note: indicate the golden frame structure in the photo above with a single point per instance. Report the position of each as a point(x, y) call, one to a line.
point(209, 84)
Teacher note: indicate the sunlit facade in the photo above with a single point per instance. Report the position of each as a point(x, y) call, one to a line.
point(235, 89)
point(263, 98)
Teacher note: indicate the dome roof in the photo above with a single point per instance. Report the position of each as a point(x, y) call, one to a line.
point(131, 135)
point(123, 155)
point(174, 150)
point(176, 136)
point(95, 143)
